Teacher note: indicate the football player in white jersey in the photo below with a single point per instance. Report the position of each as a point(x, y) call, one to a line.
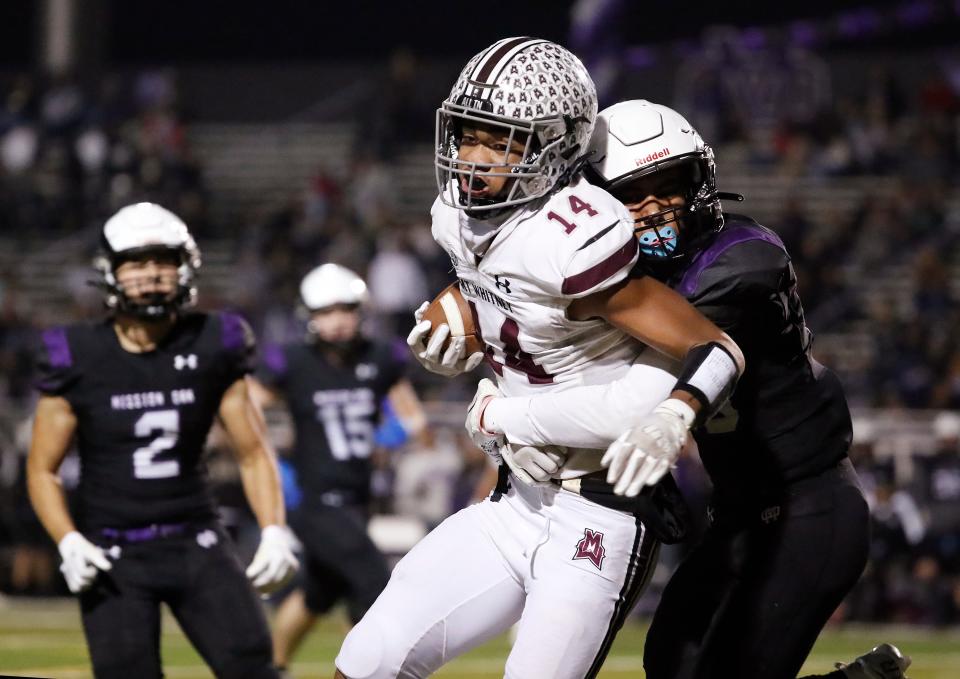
point(543, 257)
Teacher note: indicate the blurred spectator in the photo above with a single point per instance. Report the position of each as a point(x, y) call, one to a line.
point(397, 283)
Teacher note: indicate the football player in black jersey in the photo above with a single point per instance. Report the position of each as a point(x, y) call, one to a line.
point(789, 527)
point(333, 385)
point(139, 392)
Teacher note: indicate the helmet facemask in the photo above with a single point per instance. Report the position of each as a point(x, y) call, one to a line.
point(529, 178)
point(153, 306)
point(540, 97)
point(676, 230)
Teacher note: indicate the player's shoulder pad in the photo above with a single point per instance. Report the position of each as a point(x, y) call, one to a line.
point(744, 251)
point(55, 359)
point(236, 335)
point(597, 247)
point(238, 345)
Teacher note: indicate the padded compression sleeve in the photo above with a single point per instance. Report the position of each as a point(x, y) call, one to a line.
point(587, 416)
point(709, 373)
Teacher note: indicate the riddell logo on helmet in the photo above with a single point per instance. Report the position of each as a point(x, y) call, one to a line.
point(663, 153)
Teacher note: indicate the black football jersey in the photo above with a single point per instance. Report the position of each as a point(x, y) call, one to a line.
point(143, 419)
point(788, 417)
point(335, 409)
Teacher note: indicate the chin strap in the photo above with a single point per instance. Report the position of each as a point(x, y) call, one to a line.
point(725, 195)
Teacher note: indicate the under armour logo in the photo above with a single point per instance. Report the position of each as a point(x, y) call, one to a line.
point(502, 284)
point(591, 547)
point(207, 538)
point(770, 514)
point(188, 361)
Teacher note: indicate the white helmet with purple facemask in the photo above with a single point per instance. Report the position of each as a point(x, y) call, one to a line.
point(639, 149)
point(537, 92)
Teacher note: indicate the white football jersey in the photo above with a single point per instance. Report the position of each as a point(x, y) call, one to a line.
point(521, 276)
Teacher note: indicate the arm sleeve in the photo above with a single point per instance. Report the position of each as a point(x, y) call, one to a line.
point(239, 345)
point(56, 372)
point(590, 416)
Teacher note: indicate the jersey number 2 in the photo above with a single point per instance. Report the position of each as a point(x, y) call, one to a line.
point(145, 466)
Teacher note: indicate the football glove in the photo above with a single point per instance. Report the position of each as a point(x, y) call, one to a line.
point(274, 563)
point(534, 466)
point(454, 360)
point(487, 441)
point(883, 662)
point(82, 560)
point(643, 454)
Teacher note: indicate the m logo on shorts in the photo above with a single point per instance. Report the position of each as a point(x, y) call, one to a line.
point(591, 547)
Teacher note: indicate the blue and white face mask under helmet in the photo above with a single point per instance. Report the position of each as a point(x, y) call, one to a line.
point(640, 149)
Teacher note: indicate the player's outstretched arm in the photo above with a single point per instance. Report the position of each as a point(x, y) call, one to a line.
point(591, 416)
point(656, 315)
point(711, 365)
point(53, 429)
point(274, 563)
point(594, 416)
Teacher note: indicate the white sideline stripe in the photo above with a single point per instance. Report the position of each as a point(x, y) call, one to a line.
point(450, 309)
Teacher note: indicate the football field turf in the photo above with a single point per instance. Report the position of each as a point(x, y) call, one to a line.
point(44, 639)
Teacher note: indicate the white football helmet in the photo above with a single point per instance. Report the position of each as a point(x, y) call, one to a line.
point(537, 91)
point(331, 284)
point(639, 147)
point(139, 229)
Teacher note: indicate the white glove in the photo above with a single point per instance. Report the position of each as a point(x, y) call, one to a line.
point(883, 662)
point(454, 361)
point(274, 563)
point(489, 442)
point(82, 560)
point(643, 454)
point(534, 466)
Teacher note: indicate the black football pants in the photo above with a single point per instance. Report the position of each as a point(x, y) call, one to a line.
point(752, 597)
point(200, 578)
point(340, 560)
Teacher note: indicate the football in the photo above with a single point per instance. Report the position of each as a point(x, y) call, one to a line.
point(451, 308)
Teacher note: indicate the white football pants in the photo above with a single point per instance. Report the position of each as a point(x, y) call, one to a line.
point(567, 568)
